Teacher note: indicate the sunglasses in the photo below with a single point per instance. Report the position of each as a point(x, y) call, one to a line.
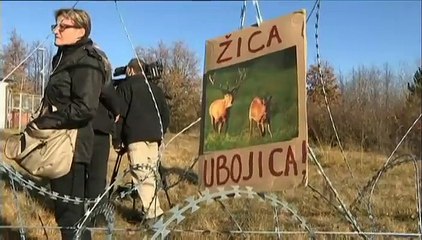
point(62, 27)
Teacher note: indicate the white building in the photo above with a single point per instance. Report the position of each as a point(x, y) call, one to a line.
point(3, 104)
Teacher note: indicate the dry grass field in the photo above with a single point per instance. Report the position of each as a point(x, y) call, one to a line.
point(394, 201)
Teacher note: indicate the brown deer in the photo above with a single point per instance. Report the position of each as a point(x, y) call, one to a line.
point(219, 108)
point(259, 112)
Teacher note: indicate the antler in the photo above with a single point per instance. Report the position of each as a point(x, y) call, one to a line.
point(211, 78)
point(239, 80)
point(227, 89)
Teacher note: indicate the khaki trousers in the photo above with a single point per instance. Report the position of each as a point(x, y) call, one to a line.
point(146, 153)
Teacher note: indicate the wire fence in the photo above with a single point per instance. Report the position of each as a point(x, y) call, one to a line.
point(19, 109)
point(170, 224)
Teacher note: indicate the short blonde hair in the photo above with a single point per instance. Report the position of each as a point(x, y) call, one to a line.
point(80, 17)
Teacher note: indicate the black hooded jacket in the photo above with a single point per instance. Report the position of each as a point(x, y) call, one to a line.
point(72, 94)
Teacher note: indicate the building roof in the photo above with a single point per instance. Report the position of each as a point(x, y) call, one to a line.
point(7, 80)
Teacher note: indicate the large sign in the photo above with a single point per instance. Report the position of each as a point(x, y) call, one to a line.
point(253, 128)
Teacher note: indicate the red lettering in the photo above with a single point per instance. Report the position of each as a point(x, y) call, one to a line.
point(304, 156)
point(236, 159)
point(260, 164)
point(250, 40)
point(221, 165)
point(290, 159)
point(226, 44)
point(250, 167)
point(273, 34)
point(217, 171)
point(272, 170)
point(239, 46)
point(210, 183)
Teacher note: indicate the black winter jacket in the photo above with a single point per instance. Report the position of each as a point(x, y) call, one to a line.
point(108, 109)
point(140, 120)
point(109, 106)
point(74, 89)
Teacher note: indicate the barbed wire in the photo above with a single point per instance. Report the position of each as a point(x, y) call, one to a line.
point(380, 172)
point(417, 196)
point(183, 176)
point(235, 192)
point(256, 232)
point(30, 185)
point(322, 81)
point(107, 210)
point(12, 180)
point(395, 162)
point(162, 226)
point(16, 202)
point(208, 231)
point(223, 194)
point(348, 215)
point(365, 193)
point(142, 69)
point(34, 50)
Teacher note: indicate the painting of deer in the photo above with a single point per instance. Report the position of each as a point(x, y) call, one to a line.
point(219, 109)
point(249, 109)
point(259, 112)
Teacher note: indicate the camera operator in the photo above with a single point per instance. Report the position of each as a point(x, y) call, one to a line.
point(141, 132)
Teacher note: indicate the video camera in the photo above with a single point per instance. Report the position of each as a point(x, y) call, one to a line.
point(153, 71)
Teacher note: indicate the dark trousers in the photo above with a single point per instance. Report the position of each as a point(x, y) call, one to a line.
point(68, 214)
point(97, 170)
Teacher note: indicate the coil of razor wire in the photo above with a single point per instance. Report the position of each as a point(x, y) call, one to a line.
point(108, 209)
point(161, 226)
point(380, 172)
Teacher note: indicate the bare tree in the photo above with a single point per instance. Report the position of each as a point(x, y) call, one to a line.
point(415, 87)
point(1, 63)
point(14, 53)
point(35, 66)
point(181, 80)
